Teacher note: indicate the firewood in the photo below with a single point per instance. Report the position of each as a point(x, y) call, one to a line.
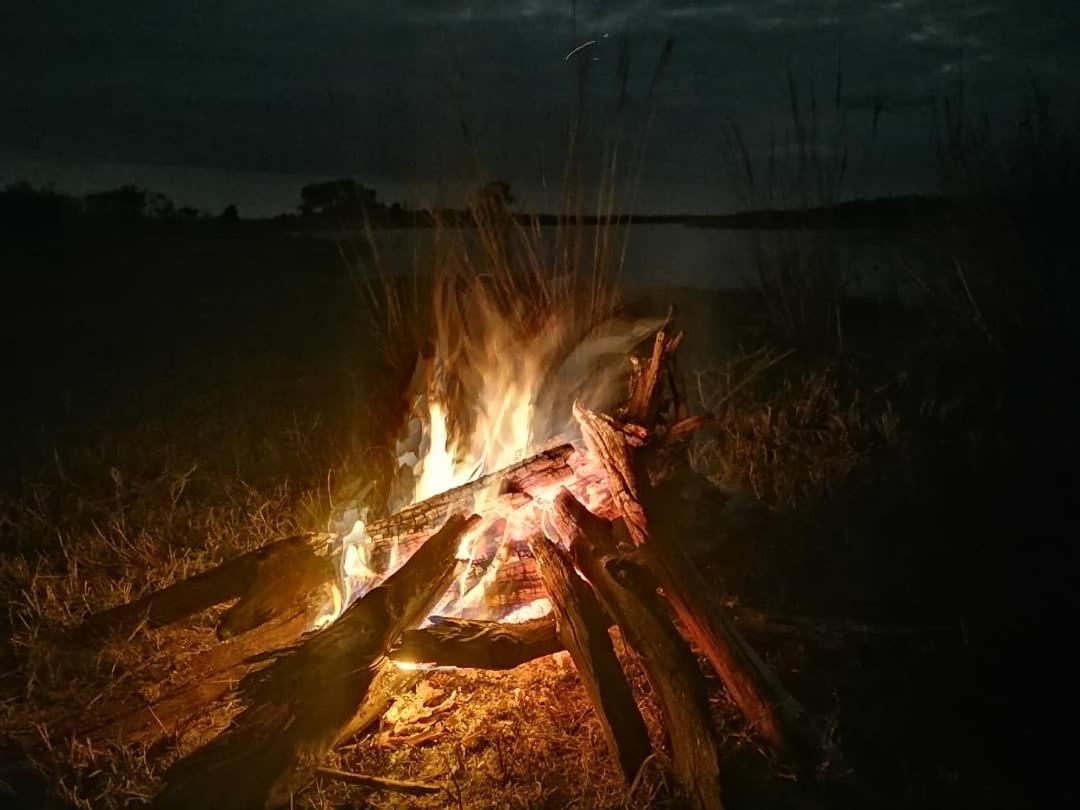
point(411, 525)
point(471, 643)
point(196, 692)
point(486, 644)
point(582, 628)
point(628, 594)
point(268, 581)
point(300, 705)
point(754, 687)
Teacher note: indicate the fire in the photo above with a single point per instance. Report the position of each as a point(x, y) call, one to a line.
point(508, 355)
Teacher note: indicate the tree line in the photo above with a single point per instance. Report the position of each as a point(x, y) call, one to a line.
point(341, 202)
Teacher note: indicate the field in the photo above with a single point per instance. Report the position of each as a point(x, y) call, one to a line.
point(180, 394)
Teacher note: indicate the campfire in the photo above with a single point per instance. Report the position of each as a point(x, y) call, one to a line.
point(519, 524)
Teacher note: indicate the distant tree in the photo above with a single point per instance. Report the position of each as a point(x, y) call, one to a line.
point(493, 195)
point(343, 197)
point(125, 202)
point(159, 206)
point(230, 214)
point(21, 204)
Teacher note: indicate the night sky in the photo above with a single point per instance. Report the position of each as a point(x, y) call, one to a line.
point(245, 100)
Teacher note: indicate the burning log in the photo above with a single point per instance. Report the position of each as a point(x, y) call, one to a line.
point(629, 595)
point(768, 707)
point(268, 581)
point(302, 703)
point(582, 628)
point(409, 526)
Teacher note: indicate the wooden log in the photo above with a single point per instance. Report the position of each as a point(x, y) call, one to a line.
point(478, 644)
point(754, 687)
point(389, 682)
point(485, 644)
point(301, 704)
point(194, 693)
point(628, 594)
point(380, 782)
point(268, 581)
point(413, 524)
point(582, 628)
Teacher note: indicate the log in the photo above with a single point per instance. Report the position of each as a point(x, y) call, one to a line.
point(757, 691)
point(486, 644)
point(268, 582)
point(628, 594)
point(299, 706)
point(471, 643)
point(411, 525)
point(389, 682)
point(196, 691)
point(582, 628)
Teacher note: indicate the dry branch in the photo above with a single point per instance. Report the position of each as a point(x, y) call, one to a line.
point(582, 628)
point(303, 702)
point(629, 595)
point(380, 783)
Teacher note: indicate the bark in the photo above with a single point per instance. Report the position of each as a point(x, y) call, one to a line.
point(767, 706)
point(479, 644)
point(629, 595)
point(299, 706)
point(582, 628)
point(194, 695)
point(408, 527)
point(268, 582)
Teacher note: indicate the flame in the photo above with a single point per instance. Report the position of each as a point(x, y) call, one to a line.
point(508, 354)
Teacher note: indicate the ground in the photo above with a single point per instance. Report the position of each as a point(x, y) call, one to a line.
point(903, 482)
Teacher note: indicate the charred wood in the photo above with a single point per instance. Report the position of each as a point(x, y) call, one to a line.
point(299, 706)
point(754, 687)
point(628, 594)
point(582, 628)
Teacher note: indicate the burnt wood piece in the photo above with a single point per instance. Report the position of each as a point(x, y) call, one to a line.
point(193, 697)
point(268, 581)
point(582, 628)
point(389, 682)
point(298, 707)
point(754, 687)
point(486, 644)
point(477, 644)
point(628, 593)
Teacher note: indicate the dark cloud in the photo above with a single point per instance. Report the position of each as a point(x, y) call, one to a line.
point(385, 90)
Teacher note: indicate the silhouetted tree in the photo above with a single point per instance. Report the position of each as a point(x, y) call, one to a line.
point(126, 202)
point(230, 214)
point(21, 205)
point(343, 197)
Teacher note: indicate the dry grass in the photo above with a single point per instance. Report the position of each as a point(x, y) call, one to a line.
point(786, 439)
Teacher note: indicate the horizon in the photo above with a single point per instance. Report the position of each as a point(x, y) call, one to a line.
point(421, 101)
